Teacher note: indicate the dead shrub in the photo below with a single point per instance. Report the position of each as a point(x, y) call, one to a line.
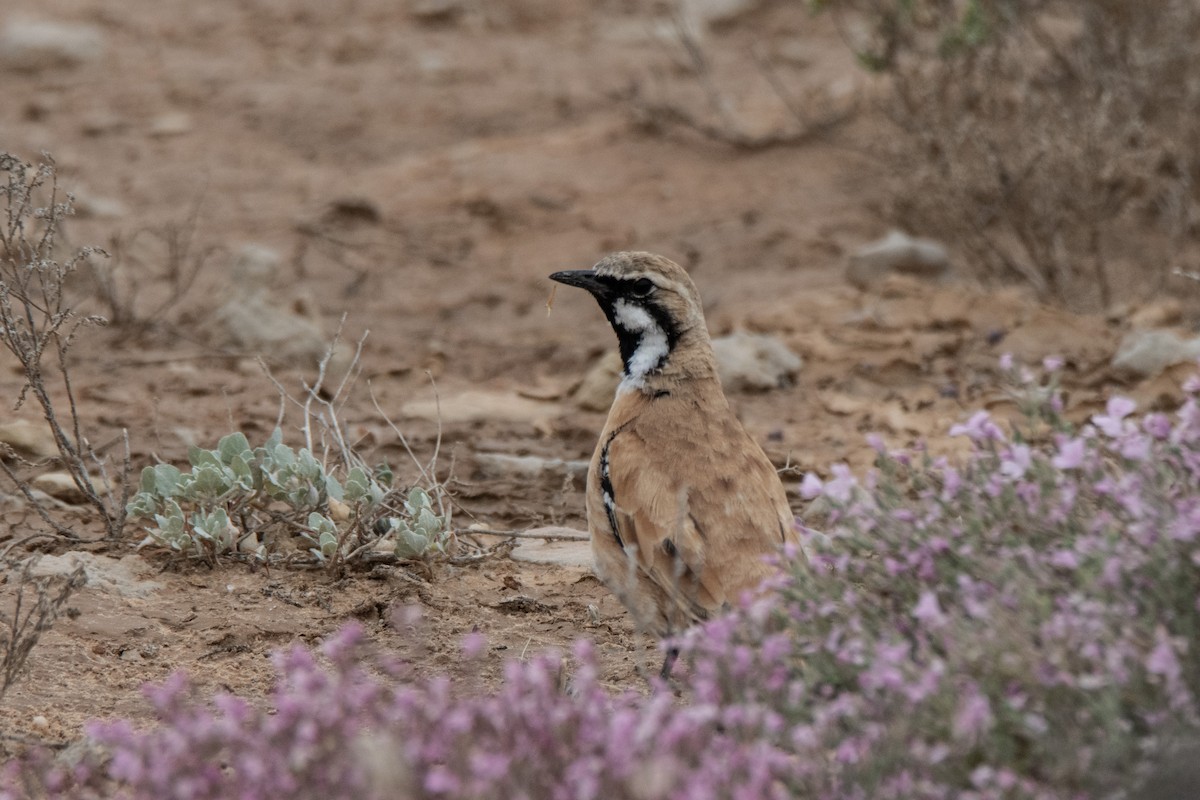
point(37, 327)
point(1053, 141)
point(35, 603)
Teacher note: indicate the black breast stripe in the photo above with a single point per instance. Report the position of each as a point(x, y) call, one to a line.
point(607, 496)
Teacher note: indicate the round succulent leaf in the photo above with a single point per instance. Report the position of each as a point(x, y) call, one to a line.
point(243, 471)
point(427, 523)
point(307, 465)
point(166, 479)
point(334, 489)
point(233, 446)
point(384, 474)
point(321, 524)
point(199, 457)
point(142, 504)
point(212, 480)
point(410, 544)
point(282, 456)
point(418, 498)
point(358, 485)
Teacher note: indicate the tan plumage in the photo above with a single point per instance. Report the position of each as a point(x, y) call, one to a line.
point(683, 507)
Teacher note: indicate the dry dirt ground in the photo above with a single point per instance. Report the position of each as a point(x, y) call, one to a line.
point(422, 173)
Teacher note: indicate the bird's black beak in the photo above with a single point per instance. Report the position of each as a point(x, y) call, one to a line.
point(584, 279)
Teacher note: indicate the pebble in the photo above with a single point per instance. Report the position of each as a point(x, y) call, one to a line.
point(897, 252)
point(557, 553)
point(718, 12)
point(60, 486)
point(436, 10)
point(104, 574)
point(36, 45)
point(1146, 353)
point(173, 123)
point(255, 321)
point(28, 439)
point(755, 362)
point(502, 465)
point(480, 405)
point(90, 206)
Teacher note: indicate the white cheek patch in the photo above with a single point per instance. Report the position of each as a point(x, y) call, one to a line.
point(632, 318)
point(652, 345)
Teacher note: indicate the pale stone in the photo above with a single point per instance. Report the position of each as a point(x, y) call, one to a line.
point(28, 439)
point(60, 486)
point(756, 362)
point(897, 252)
point(502, 465)
point(35, 45)
point(172, 123)
point(599, 385)
point(558, 553)
point(481, 405)
point(104, 574)
point(1146, 353)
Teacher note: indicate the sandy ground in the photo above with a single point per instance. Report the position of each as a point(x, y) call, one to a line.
point(421, 174)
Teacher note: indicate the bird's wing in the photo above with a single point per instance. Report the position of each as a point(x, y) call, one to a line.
point(701, 521)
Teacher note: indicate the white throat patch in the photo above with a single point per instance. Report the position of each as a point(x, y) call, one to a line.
point(652, 345)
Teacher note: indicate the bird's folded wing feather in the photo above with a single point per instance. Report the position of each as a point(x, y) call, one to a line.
point(701, 528)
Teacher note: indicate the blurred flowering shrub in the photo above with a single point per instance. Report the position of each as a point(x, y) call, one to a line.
point(1023, 624)
point(1019, 625)
point(356, 729)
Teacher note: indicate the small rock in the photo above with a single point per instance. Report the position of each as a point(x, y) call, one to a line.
point(173, 123)
point(436, 10)
point(657, 32)
point(32, 45)
point(755, 362)
point(1146, 353)
point(1159, 314)
point(280, 336)
point(253, 320)
point(555, 553)
point(119, 577)
point(90, 206)
point(28, 439)
point(718, 12)
point(600, 384)
point(897, 252)
point(60, 486)
point(255, 266)
point(40, 722)
point(796, 52)
point(102, 122)
point(352, 210)
point(501, 465)
point(481, 405)
point(250, 542)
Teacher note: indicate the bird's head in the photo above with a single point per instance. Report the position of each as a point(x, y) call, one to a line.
point(652, 305)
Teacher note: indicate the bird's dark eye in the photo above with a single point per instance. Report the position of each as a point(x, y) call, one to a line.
point(642, 287)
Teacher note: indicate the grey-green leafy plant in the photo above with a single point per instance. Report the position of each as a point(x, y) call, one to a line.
point(234, 496)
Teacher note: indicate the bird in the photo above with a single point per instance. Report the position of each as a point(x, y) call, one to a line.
point(684, 509)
